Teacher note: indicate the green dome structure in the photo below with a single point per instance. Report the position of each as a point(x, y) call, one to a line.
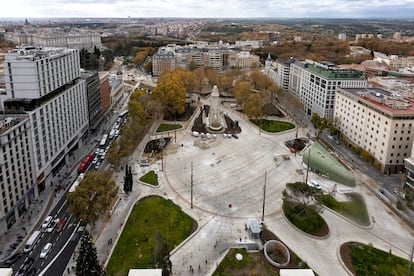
point(322, 162)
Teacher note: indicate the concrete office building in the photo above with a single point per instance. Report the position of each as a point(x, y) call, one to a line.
point(45, 83)
point(378, 121)
point(17, 172)
point(94, 98)
point(319, 82)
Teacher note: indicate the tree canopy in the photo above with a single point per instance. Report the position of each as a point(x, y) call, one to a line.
point(93, 196)
point(170, 91)
point(87, 263)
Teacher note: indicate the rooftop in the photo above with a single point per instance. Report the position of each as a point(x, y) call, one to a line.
point(383, 100)
point(36, 52)
point(330, 71)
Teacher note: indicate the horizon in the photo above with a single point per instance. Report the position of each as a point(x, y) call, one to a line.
point(214, 9)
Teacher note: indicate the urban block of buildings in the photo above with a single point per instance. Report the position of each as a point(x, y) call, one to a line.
point(315, 83)
point(218, 56)
point(49, 107)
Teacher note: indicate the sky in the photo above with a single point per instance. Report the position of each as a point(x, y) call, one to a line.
point(208, 8)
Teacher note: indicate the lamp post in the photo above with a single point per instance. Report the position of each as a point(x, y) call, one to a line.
point(307, 167)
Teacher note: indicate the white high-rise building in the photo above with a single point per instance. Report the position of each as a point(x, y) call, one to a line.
point(45, 83)
point(33, 72)
point(317, 83)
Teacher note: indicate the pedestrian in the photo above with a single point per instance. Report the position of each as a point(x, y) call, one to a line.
point(206, 261)
point(68, 270)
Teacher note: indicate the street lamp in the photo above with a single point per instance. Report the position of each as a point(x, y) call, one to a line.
point(307, 168)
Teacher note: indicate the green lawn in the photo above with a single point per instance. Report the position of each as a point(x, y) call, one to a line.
point(150, 178)
point(272, 126)
point(304, 217)
point(367, 260)
point(135, 247)
point(354, 209)
point(168, 127)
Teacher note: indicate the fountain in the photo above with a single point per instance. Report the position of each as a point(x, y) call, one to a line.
point(215, 121)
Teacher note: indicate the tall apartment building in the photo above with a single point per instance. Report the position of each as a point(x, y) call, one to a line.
point(17, 172)
point(45, 84)
point(283, 72)
point(162, 61)
point(319, 82)
point(380, 122)
point(94, 98)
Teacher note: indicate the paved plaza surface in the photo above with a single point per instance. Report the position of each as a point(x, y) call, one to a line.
point(228, 180)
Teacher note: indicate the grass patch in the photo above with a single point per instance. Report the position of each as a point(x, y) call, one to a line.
point(251, 264)
point(367, 260)
point(135, 247)
point(272, 125)
point(168, 127)
point(150, 178)
point(304, 217)
point(354, 209)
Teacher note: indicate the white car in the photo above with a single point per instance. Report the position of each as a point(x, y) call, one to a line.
point(46, 222)
point(45, 250)
point(195, 133)
point(314, 184)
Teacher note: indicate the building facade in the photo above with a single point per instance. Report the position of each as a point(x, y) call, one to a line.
point(55, 99)
point(319, 82)
point(105, 90)
point(93, 85)
point(378, 121)
point(54, 38)
point(17, 172)
point(283, 73)
point(162, 61)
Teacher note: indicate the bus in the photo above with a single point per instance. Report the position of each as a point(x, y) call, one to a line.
point(32, 241)
point(85, 163)
point(123, 114)
point(76, 183)
point(104, 141)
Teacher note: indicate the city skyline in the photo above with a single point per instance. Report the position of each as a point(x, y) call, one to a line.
point(211, 9)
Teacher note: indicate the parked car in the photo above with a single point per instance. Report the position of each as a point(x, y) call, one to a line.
point(314, 184)
point(45, 250)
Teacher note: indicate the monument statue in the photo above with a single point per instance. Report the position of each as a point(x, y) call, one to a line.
point(215, 121)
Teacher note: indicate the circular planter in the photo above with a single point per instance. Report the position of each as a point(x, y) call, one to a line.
point(276, 253)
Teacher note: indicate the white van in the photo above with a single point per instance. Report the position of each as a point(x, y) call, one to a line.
point(32, 241)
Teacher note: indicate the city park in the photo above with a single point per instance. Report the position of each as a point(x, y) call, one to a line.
point(240, 170)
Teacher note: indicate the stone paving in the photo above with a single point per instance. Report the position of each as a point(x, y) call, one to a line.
point(228, 182)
